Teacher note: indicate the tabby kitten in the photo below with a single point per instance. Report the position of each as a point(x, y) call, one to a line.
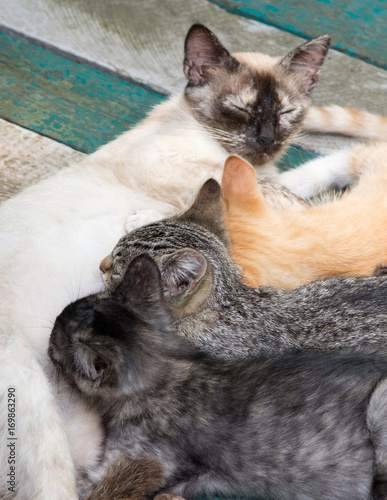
point(227, 318)
point(307, 426)
point(345, 236)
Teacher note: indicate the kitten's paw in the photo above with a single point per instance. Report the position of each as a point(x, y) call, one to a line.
point(141, 218)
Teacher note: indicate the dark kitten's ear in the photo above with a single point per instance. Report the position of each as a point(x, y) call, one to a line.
point(94, 364)
point(182, 271)
point(142, 292)
point(306, 61)
point(202, 50)
point(207, 210)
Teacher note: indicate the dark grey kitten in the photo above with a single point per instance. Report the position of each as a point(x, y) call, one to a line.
point(254, 104)
point(307, 426)
point(216, 311)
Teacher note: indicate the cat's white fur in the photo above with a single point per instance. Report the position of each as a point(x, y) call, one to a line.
point(320, 174)
point(52, 239)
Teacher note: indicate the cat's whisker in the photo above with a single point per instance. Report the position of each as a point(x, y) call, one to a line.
point(214, 134)
point(210, 129)
point(299, 135)
point(219, 133)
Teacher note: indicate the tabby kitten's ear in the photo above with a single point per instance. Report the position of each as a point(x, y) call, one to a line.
point(202, 51)
point(187, 281)
point(142, 292)
point(305, 61)
point(207, 210)
point(239, 185)
point(182, 271)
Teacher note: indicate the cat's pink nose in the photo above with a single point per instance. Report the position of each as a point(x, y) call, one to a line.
point(106, 264)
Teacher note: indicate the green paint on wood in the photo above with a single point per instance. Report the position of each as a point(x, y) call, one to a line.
point(74, 104)
point(294, 156)
point(357, 27)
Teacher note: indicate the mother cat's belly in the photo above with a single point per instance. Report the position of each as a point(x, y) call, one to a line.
point(50, 253)
point(83, 427)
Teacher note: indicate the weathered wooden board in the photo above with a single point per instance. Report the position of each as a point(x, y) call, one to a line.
point(26, 157)
point(358, 27)
point(71, 103)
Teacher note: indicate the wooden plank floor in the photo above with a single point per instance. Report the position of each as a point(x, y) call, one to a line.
point(358, 27)
point(124, 46)
point(74, 104)
point(26, 157)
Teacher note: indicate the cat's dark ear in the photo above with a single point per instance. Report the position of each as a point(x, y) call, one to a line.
point(207, 210)
point(142, 292)
point(203, 50)
point(95, 365)
point(306, 60)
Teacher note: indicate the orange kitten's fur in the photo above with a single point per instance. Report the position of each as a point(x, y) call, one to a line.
point(346, 236)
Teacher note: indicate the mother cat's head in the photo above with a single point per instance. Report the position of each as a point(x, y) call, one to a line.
point(258, 102)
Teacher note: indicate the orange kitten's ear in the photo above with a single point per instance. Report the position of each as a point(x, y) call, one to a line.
point(239, 182)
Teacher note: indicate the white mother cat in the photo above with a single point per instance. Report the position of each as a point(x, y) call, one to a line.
point(53, 235)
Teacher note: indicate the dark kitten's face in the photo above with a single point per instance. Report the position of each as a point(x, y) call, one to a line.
point(85, 347)
point(253, 104)
point(105, 345)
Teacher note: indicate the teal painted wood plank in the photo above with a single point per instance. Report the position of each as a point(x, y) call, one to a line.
point(357, 27)
point(294, 156)
point(73, 104)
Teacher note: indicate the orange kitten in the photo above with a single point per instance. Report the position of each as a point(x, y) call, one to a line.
point(285, 249)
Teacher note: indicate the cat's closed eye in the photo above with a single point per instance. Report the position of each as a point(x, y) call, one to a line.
point(287, 111)
point(240, 108)
point(231, 107)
